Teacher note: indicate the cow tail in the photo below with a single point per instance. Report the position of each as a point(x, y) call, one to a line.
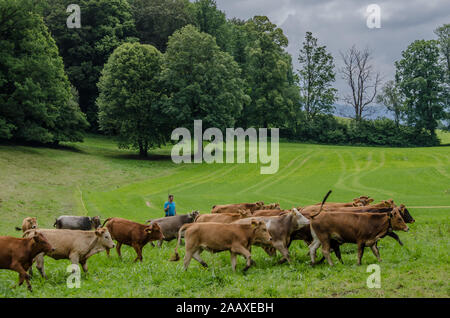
point(56, 223)
point(313, 215)
point(108, 219)
point(176, 256)
point(18, 228)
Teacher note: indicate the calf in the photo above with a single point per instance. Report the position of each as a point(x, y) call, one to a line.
point(219, 237)
point(170, 225)
point(223, 217)
point(75, 245)
point(84, 223)
point(17, 254)
point(132, 234)
point(363, 229)
point(28, 224)
point(234, 208)
point(281, 229)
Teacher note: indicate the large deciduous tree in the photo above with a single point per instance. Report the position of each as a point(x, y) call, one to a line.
point(362, 79)
point(269, 76)
point(105, 24)
point(156, 20)
point(130, 100)
point(421, 77)
point(202, 81)
point(316, 76)
point(36, 99)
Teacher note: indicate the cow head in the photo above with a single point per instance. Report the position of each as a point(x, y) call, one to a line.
point(405, 214)
point(30, 223)
point(154, 232)
point(397, 222)
point(245, 213)
point(193, 215)
point(104, 238)
point(41, 243)
point(260, 232)
point(96, 222)
point(300, 219)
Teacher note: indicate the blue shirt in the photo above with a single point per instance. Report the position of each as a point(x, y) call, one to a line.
point(171, 211)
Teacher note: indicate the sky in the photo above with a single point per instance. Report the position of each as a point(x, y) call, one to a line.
point(339, 24)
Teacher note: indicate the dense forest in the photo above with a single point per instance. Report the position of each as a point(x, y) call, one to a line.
point(137, 69)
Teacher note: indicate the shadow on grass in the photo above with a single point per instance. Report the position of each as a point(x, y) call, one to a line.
point(37, 145)
point(136, 157)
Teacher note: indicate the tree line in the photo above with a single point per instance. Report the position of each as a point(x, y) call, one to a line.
point(137, 69)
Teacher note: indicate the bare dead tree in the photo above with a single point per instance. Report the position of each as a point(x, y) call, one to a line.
point(363, 80)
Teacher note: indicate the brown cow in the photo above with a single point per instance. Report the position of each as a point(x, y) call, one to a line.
point(272, 206)
point(17, 254)
point(234, 208)
point(363, 229)
point(223, 217)
point(219, 237)
point(132, 234)
point(75, 245)
point(28, 224)
point(280, 229)
point(361, 201)
point(270, 212)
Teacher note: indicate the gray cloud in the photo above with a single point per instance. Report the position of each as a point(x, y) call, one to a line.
point(339, 24)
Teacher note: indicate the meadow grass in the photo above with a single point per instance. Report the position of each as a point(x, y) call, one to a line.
point(96, 178)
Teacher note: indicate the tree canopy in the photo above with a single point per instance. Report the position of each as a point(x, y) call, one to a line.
point(37, 102)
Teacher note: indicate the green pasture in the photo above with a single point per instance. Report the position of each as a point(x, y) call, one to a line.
point(96, 178)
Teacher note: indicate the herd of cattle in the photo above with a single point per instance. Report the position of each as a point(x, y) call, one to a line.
point(232, 227)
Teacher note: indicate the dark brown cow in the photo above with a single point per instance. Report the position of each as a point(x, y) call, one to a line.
point(17, 254)
point(132, 234)
point(28, 224)
point(234, 208)
point(219, 237)
point(363, 229)
point(223, 217)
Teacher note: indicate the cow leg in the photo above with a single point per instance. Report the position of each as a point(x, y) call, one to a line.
point(23, 276)
point(118, 247)
point(312, 250)
point(244, 252)
point(187, 259)
point(75, 259)
point(376, 252)
point(40, 265)
point(283, 250)
point(197, 257)
point(326, 252)
point(395, 237)
point(361, 247)
point(107, 251)
point(84, 265)
point(138, 250)
point(233, 261)
point(160, 243)
point(337, 251)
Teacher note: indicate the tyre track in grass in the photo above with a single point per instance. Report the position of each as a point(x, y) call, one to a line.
point(290, 163)
point(288, 174)
point(439, 165)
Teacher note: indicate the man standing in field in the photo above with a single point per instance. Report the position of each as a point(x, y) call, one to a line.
point(169, 207)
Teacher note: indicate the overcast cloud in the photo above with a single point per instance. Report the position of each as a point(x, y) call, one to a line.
point(339, 24)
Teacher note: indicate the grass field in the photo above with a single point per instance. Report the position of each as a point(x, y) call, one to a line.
point(95, 178)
